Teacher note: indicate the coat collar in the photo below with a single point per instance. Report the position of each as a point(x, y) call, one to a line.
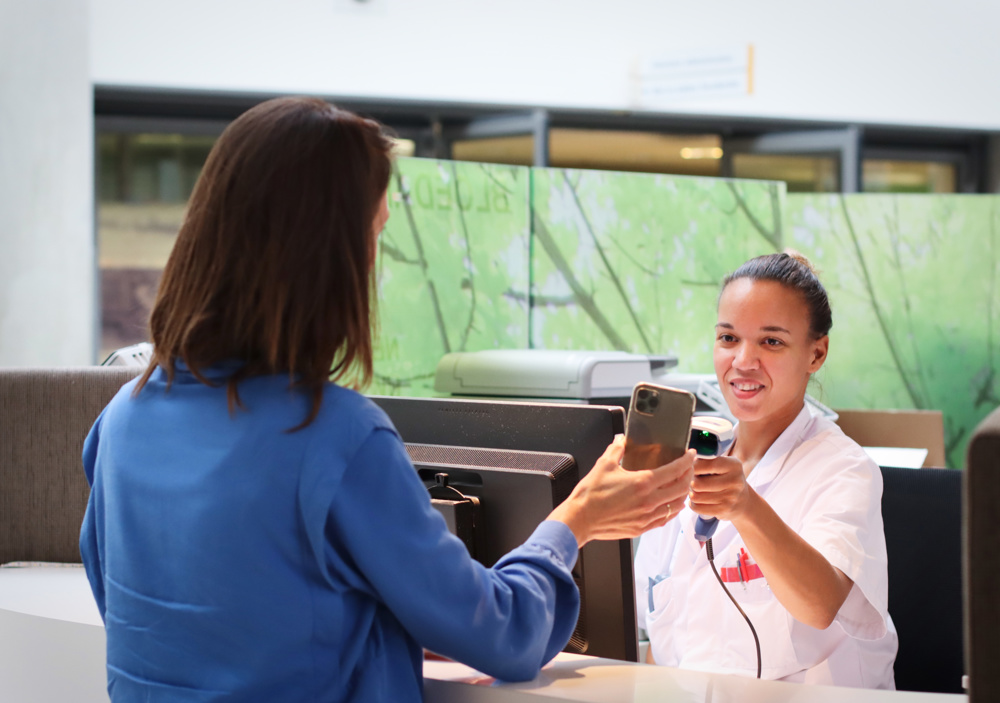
point(771, 464)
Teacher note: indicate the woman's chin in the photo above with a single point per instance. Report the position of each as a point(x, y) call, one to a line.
point(745, 409)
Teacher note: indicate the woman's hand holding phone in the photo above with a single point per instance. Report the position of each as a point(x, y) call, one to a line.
point(613, 503)
point(641, 481)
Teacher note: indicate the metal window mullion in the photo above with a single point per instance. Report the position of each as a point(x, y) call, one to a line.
point(540, 135)
point(534, 123)
point(844, 144)
point(850, 161)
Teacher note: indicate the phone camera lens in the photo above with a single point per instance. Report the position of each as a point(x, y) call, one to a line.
point(654, 401)
point(643, 394)
point(641, 406)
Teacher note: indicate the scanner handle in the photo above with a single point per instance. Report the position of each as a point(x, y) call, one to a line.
point(704, 528)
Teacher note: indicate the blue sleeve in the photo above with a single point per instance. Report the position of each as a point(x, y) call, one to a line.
point(507, 621)
point(90, 552)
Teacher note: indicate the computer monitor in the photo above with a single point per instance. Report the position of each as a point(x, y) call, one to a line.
point(440, 432)
point(493, 499)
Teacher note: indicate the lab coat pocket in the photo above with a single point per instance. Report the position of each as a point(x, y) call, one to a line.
point(659, 593)
point(744, 578)
point(663, 621)
point(753, 591)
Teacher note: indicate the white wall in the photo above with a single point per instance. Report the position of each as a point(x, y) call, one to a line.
point(46, 185)
point(890, 61)
point(886, 61)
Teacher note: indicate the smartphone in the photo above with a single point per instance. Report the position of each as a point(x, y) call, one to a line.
point(658, 426)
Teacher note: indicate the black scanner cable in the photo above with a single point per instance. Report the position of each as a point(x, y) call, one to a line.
point(710, 553)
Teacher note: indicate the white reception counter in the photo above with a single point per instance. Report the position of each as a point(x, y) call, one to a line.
point(52, 649)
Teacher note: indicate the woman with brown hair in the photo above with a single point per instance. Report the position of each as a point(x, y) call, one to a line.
point(255, 530)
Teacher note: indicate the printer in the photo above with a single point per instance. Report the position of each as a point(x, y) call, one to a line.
point(587, 377)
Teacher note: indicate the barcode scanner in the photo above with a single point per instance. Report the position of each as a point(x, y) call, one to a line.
point(710, 437)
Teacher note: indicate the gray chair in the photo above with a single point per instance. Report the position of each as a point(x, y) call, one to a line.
point(981, 560)
point(921, 509)
point(45, 415)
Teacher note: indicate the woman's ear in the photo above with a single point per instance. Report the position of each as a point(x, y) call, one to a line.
point(819, 351)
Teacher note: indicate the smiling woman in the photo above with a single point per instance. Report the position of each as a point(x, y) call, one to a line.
point(799, 506)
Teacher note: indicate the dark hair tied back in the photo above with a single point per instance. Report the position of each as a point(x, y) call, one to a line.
point(794, 271)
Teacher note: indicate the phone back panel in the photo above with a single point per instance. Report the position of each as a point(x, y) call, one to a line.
point(658, 426)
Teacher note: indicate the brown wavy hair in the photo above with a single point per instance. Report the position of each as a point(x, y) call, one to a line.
point(273, 266)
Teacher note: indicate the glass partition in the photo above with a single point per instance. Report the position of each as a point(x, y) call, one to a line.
point(143, 183)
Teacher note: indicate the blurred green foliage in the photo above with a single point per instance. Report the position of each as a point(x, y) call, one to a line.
point(913, 286)
point(453, 268)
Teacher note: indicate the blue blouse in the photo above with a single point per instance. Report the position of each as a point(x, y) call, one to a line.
point(234, 560)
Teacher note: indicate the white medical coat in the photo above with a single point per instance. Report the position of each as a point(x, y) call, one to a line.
point(824, 486)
